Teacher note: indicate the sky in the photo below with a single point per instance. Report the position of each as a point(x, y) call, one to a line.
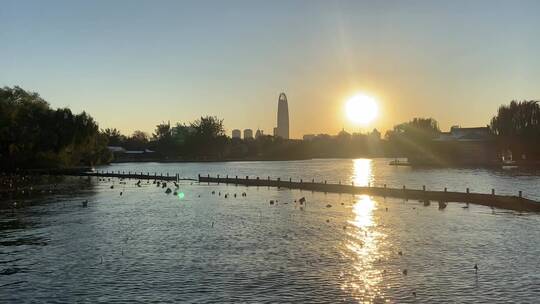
point(134, 64)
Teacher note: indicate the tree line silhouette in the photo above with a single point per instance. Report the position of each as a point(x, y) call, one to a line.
point(33, 135)
point(36, 136)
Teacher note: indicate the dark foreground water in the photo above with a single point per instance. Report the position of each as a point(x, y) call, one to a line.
point(196, 247)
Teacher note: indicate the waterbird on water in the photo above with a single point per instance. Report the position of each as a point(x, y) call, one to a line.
point(85, 203)
point(475, 268)
point(405, 271)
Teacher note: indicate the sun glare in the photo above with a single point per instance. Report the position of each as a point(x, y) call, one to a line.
point(361, 109)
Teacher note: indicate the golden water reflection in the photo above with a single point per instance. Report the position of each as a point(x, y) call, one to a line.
point(362, 277)
point(362, 174)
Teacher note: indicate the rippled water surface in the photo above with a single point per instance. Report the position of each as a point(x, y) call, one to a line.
point(362, 172)
point(148, 246)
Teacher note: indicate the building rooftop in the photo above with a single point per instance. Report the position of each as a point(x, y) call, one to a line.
point(465, 134)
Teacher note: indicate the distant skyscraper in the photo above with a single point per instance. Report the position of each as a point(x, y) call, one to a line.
point(236, 133)
point(248, 134)
point(282, 129)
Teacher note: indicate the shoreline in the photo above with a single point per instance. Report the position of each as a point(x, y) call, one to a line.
point(499, 166)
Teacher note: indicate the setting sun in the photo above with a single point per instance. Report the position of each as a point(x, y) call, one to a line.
point(361, 109)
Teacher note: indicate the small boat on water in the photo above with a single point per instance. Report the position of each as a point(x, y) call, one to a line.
point(397, 162)
point(509, 164)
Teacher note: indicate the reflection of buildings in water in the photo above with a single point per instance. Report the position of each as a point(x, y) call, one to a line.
point(362, 279)
point(362, 175)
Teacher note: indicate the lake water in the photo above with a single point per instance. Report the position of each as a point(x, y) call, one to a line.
point(195, 247)
point(361, 172)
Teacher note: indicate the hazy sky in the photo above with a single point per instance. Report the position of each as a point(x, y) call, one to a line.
point(133, 64)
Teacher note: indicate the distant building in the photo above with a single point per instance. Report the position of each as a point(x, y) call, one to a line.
point(309, 137)
point(465, 134)
point(375, 135)
point(343, 135)
point(236, 133)
point(248, 134)
point(135, 152)
point(323, 136)
point(460, 146)
point(282, 129)
point(116, 149)
point(122, 155)
point(259, 133)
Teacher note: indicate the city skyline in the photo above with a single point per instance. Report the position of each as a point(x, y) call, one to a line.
point(186, 60)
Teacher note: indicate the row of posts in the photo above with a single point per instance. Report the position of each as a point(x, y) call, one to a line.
point(520, 193)
point(135, 174)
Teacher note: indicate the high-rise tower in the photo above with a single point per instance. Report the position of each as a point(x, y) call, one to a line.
point(282, 129)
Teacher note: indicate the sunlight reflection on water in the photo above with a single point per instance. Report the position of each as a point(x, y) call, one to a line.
point(362, 243)
point(362, 249)
point(362, 172)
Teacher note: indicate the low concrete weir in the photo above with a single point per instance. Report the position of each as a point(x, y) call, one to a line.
point(493, 200)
